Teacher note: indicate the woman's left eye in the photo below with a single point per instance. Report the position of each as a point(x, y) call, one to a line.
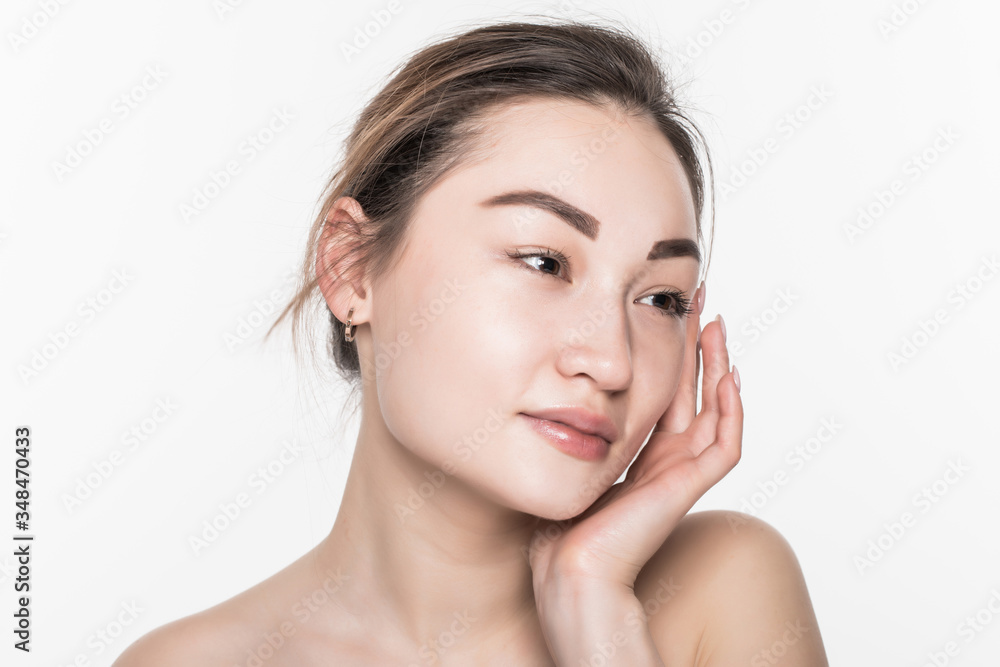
point(681, 304)
point(678, 305)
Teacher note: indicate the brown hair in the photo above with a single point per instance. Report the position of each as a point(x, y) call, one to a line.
point(423, 123)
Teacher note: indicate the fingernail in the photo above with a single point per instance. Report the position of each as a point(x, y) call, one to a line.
point(718, 318)
point(736, 376)
point(700, 297)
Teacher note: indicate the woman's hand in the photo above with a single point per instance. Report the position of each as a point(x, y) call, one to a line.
point(602, 550)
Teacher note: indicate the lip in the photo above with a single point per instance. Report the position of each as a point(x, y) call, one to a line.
point(575, 431)
point(584, 446)
point(580, 419)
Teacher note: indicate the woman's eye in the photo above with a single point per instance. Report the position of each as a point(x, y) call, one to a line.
point(542, 260)
point(543, 263)
point(677, 305)
point(671, 303)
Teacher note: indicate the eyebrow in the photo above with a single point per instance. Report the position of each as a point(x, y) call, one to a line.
point(587, 224)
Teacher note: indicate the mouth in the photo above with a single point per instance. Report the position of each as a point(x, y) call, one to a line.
point(565, 438)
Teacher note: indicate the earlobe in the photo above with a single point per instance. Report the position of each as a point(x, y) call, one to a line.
point(339, 268)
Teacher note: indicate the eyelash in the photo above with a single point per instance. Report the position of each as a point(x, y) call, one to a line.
point(683, 304)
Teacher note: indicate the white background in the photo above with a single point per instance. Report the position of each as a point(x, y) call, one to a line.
point(853, 300)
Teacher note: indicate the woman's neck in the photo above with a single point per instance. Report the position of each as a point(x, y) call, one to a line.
point(425, 552)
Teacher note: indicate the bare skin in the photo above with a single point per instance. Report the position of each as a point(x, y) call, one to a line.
point(456, 551)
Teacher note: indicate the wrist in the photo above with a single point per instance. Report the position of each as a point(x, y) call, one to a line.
point(586, 623)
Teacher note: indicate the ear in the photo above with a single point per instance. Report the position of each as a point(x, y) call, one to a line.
point(340, 276)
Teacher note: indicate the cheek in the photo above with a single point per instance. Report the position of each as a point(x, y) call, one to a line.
point(656, 381)
point(673, 366)
point(445, 361)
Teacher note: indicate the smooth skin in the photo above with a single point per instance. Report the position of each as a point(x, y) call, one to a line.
point(460, 538)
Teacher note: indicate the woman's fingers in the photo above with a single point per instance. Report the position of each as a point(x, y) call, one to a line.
point(623, 528)
point(723, 454)
point(682, 409)
point(713, 345)
point(716, 362)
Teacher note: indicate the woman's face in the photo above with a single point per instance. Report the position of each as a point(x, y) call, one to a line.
point(466, 338)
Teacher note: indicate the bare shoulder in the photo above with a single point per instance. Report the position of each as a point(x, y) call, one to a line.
point(198, 640)
point(726, 588)
point(226, 634)
point(268, 622)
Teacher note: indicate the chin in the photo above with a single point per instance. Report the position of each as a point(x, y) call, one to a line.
point(554, 501)
point(562, 513)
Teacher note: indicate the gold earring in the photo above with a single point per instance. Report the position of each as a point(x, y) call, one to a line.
point(348, 332)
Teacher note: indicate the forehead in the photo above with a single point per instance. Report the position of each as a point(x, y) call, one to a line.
point(569, 124)
point(535, 113)
point(597, 156)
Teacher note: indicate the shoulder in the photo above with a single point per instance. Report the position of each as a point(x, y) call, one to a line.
point(196, 641)
point(728, 588)
point(250, 626)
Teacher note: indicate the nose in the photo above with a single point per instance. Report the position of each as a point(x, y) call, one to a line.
point(597, 344)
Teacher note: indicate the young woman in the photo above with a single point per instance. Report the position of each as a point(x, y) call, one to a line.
point(511, 259)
